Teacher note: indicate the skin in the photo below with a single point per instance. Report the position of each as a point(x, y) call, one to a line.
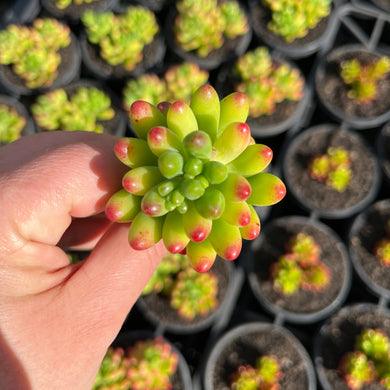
point(58, 319)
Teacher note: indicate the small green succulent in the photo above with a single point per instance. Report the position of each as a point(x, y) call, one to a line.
point(300, 267)
point(382, 247)
point(11, 124)
point(121, 37)
point(203, 25)
point(62, 4)
point(369, 361)
point(83, 110)
point(265, 82)
point(332, 168)
point(148, 365)
point(195, 176)
point(363, 78)
point(178, 83)
point(264, 376)
point(292, 19)
point(33, 52)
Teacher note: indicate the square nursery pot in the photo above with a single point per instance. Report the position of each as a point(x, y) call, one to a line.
point(303, 306)
point(157, 310)
point(337, 336)
point(243, 344)
point(288, 114)
point(117, 125)
point(315, 196)
point(367, 229)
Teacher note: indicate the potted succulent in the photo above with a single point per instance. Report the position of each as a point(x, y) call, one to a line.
point(83, 105)
point(37, 57)
point(74, 9)
point(177, 83)
point(296, 28)
point(310, 173)
point(195, 189)
point(275, 89)
point(208, 31)
point(258, 352)
point(117, 45)
point(369, 244)
point(353, 85)
point(382, 147)
point(304, 273)
point(143, 361)
point(351, 348)
point(15, 120)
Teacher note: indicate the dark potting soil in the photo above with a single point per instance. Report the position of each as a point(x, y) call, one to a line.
point(246, 348)
point(363, 242)
point(315, 142)
point(332, 89)
point(340, 338)
point(159, 307)
point(273, 245)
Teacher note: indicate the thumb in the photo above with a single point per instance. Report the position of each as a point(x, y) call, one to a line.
point(111, 279)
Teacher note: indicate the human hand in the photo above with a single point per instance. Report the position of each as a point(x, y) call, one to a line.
point(58, 319)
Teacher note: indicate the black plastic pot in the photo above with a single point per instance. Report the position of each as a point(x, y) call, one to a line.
point(316, 197)
point(157, 310)
point(366, 230)
point(19, 11)
point(9, 101)
point(383, 149)
point(304, 306)
point(333, 93)
point(245, 343)
point(115, 126)
point(68, 71)
point(230, 49)
point(337, 336)
point(182, 379)
point(298, 48)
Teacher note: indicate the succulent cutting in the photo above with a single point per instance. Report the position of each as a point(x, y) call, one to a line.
point(195, 176)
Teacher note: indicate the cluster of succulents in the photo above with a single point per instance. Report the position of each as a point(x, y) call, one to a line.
point(203, 25)
point(179, 82)
point(11, 124)
point(121, 37)
point(382, 247)
point(332, 168)
point(62, 4)
point(363, 79)
point(195, 175)
point(368, 362)
point(265, 82)
point(292, 19)
point(33, 51)
point(83, 110)
point(300, 267)
point(189, 292)
point(264, 376)
point(147, 365)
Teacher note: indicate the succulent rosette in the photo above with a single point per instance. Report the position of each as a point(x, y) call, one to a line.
point(195, 176)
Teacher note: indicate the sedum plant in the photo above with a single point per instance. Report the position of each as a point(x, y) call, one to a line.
point(195, 176)
point(292, 19)
point(189, 292)
point(62, 4)
point(32, 52)
point(382, 247)
point(264, 376)
point(300, 267)
point(203, 25)
point(11, 124)
point(332, 168)
point(265, 82)
point(363, 79)
point(178, 83)
point(148, 365)
point(83, 110)
point(121, 38)
point(369, 361)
